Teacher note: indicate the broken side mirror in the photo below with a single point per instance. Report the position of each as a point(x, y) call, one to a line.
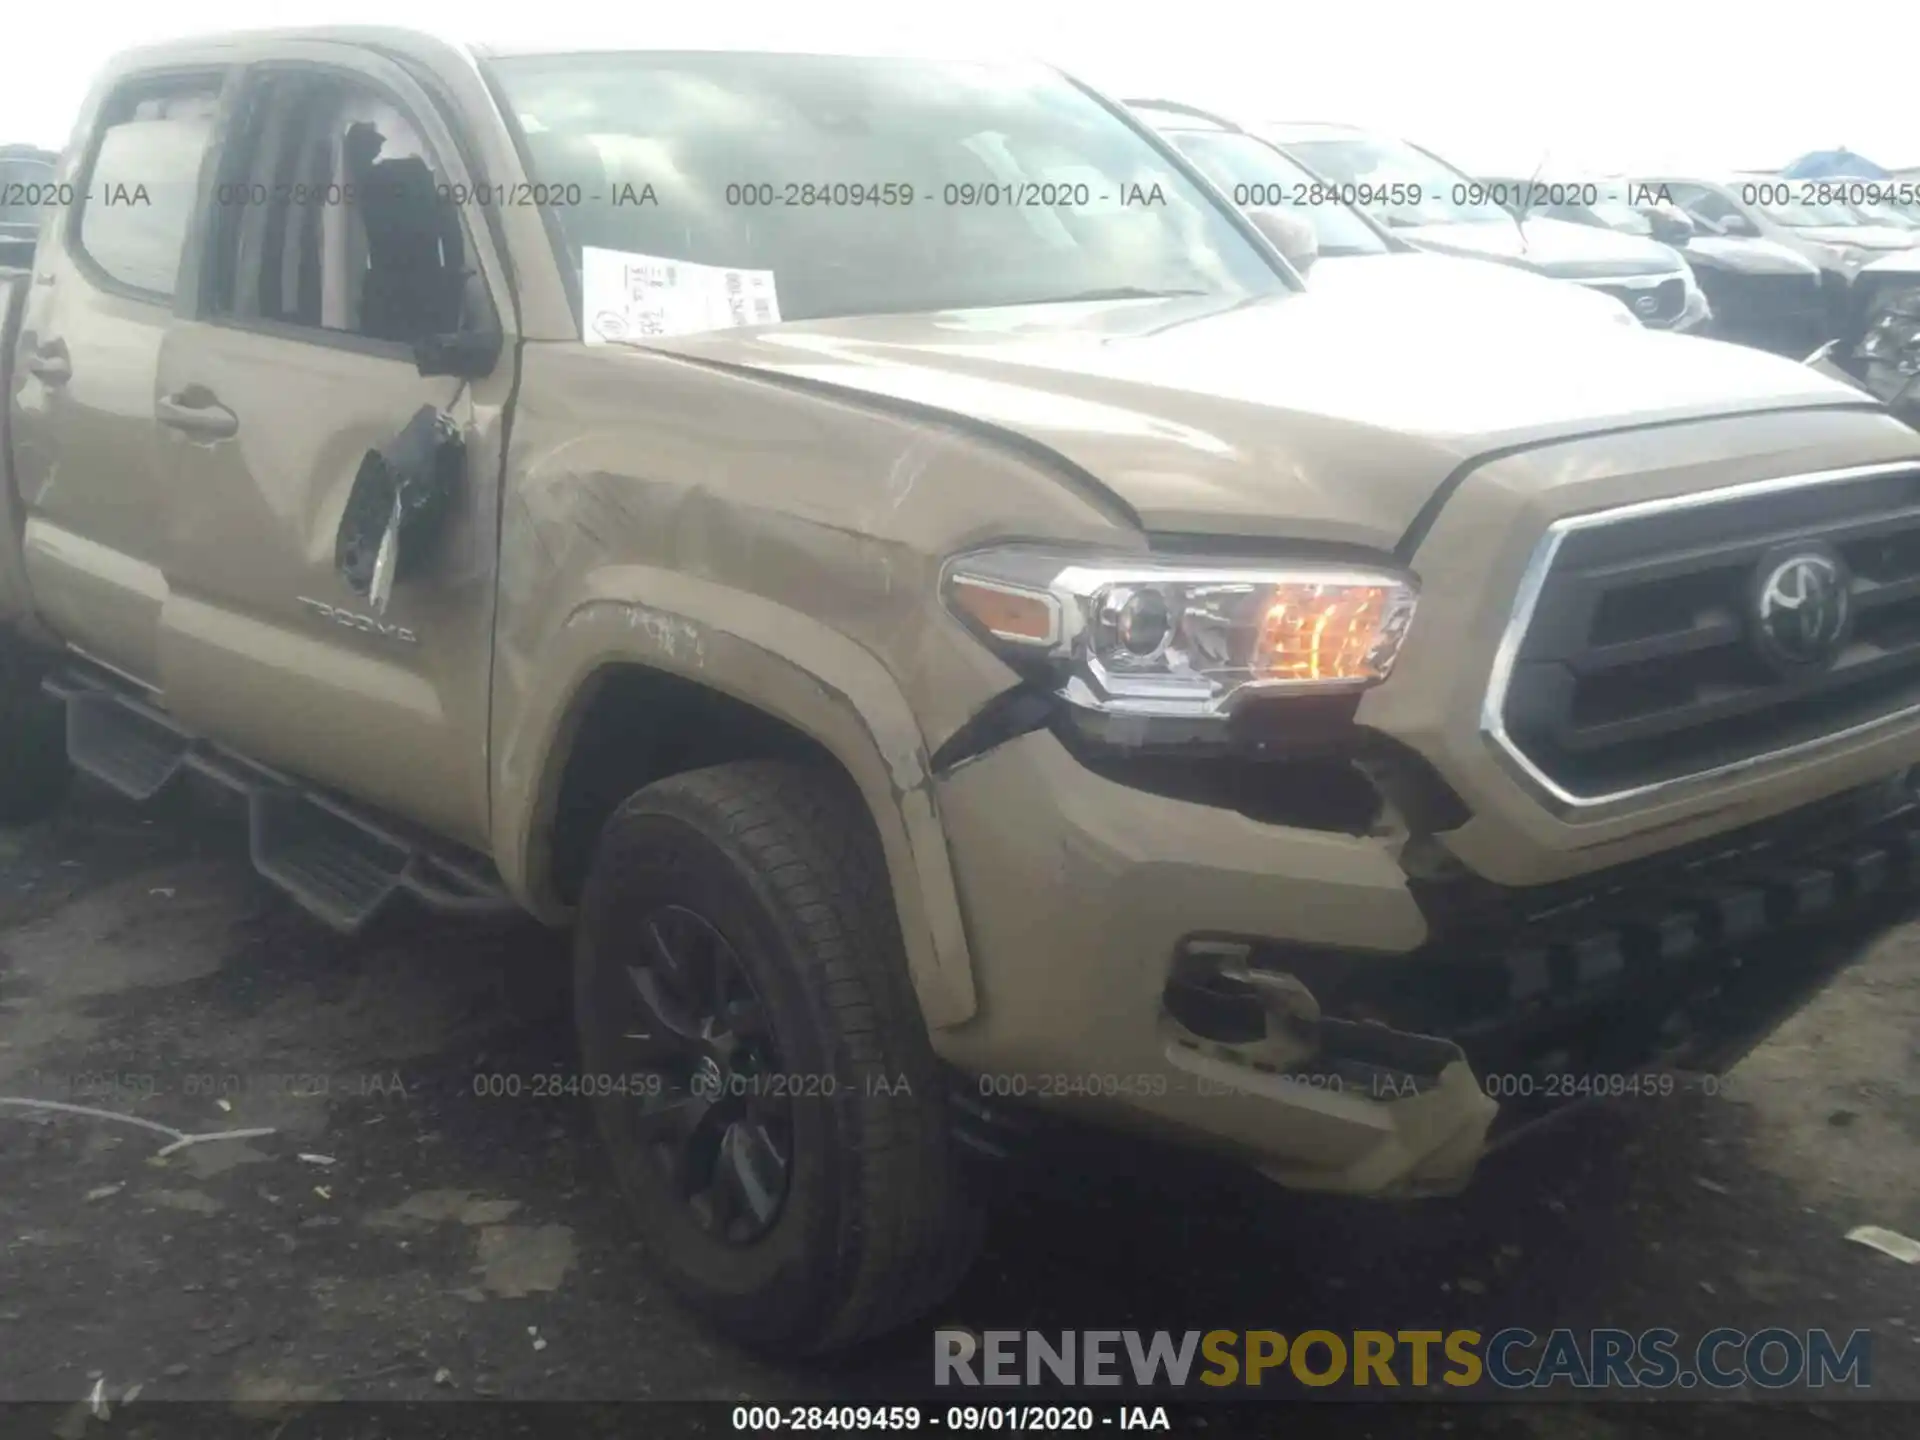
point(402, 498)
point(465, 354)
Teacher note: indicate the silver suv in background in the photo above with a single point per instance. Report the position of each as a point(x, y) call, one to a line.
point(1433, 206)
point(1831, 234)
point(1762, 292)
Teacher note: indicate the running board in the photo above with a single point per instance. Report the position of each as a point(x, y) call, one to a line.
point(335, 860)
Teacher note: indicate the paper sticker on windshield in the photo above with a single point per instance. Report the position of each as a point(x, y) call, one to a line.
point(627, 297)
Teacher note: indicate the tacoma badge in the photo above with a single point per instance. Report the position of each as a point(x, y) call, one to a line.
point(365, 623)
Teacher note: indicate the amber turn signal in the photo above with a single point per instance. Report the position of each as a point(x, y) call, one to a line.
point(1328, 632)
point(1026, 617)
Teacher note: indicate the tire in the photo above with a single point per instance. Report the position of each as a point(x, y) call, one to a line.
point(779, 861)
point(34, 773)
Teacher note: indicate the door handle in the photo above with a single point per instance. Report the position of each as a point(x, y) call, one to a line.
point(49, 364)
point(195, 411)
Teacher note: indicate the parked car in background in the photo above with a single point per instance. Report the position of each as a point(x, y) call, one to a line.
point(1761, 292)
point(1792, 212)
point(1894, 213)
point(1607, 204)
point(1879, 348)
point(1803, 217)
point(1434, 206)
point(1353, 249)
point(26, 185)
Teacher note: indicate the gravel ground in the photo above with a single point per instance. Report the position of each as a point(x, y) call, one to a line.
point(402, 1237)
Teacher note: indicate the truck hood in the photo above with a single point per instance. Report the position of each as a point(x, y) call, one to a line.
point(1857, 237)
point(1743, 255)
point(1899, 262)
point(1333, 414)
point(1468, 291)
point(1550, 247)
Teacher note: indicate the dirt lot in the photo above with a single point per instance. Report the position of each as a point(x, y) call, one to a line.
point(401, 1236)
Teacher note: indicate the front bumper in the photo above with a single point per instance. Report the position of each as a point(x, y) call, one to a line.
point(1291, 997)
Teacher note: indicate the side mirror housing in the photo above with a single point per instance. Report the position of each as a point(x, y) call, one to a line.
point(1291, 236)
point(465, 354)
point(1669, 227)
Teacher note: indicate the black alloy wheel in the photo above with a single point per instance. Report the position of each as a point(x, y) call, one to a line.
point(757, 1062)
point(720, 1124)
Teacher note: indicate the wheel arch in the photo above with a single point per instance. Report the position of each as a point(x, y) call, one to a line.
point(786, 679)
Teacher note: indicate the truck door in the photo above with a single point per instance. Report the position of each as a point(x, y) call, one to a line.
point(335, 243)
point(88, 468)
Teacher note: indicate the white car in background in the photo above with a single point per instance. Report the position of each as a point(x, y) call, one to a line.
point(1352, 251)
point(1434, 206)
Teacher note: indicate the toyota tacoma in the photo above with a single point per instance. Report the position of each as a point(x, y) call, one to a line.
point(899, 564)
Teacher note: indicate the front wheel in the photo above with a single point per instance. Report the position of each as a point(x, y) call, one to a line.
point(760, 1071)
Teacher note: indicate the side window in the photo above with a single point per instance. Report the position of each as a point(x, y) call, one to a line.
point(334, 217)
point(141, 186)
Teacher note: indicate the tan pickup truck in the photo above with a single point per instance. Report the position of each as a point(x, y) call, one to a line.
point(965, 636)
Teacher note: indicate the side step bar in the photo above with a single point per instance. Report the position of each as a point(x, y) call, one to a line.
point(333, 859)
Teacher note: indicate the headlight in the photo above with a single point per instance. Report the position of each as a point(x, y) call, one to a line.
point(1181, 639)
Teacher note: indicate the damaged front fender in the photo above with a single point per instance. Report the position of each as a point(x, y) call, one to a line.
point(784, 664)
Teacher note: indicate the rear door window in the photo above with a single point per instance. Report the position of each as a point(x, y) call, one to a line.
point(137, 206)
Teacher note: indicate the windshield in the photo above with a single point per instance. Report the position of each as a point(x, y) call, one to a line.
point(868, 186)
point(1776, 204)
point(1614, 209)
point(1404, 185)
point(1255, 176)
point(1618, 215)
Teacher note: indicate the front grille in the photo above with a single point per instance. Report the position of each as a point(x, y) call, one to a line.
point(1787, 312)
point(1669, 300)
point(1762, 295)
point(1641, 661)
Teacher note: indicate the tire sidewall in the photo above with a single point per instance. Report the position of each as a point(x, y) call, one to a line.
point(658, 850)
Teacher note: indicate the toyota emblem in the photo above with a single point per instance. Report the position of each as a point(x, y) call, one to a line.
point(1801, 606)
point(1646, 304)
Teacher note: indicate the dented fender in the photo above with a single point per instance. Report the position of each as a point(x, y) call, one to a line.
point(773, 544)
point(784, 663)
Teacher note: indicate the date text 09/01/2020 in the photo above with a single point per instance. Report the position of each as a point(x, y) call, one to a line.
point(956, 1419)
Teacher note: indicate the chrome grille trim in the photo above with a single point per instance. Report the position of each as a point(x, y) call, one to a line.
point(1533, 580)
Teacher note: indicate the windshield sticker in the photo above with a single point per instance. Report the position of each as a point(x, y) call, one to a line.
point(627, 297)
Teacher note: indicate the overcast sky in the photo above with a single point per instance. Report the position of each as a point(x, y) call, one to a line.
point(1631, 84)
